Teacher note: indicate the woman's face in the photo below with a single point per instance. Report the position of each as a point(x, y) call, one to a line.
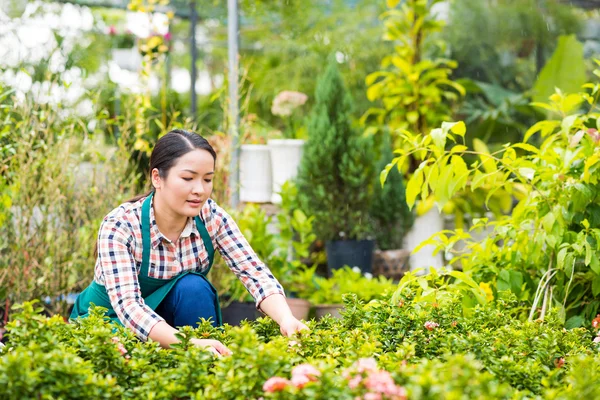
point(188, 183)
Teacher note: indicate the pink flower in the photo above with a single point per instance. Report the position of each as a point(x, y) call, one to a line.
point(596, 322)
point(354, 382)
point(300, 380)
point(430, 325)
point(372, 396)
point(286, 101)
point(275, 384)
point(594, 134)
point(366, 365)
point(115, 339)
point(597, 339)
point(306, 370)
point(559, 362)
point(112, 30)
point(168, 36)
point(380, 382)
point(122, 349)
point(401, 393)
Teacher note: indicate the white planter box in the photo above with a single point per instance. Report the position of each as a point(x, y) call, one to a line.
point(285, 160)
point(255, 173)
point(424, 227)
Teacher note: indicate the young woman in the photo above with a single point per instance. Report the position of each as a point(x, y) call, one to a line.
point(154, 252)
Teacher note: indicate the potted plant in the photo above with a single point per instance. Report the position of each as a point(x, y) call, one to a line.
point(123, 49)
point(391, 218)
point(335, 176)
point(328, 292)
point(255, 161)
point(286, 150)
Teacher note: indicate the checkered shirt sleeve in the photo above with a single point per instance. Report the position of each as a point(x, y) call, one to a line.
point(241, 258)
point(118, 267)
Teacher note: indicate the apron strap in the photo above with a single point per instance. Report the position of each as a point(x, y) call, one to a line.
point(210, 249)
point(145, 224)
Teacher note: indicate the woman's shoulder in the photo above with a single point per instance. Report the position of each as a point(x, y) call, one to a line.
point(126, 214)
point(213, 213)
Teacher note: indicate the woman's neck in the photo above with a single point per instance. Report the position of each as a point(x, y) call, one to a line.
point(169, 223)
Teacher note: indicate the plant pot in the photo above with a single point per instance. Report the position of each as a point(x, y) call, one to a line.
point(255, 173)
point(391, 263)
point(300, 308)
point(285, 160)
point(424, 227)
point(237, 311)
point(128, 59)
point(354, 253)
point(322, 310)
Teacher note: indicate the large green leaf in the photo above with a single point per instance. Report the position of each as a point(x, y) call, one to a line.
point(565, 70)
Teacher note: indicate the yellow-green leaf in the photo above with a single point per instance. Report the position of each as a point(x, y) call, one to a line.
point(459, 148)
point(489, 165)
point(413, 188)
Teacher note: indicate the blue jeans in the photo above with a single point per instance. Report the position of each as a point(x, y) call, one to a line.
point(189, 300)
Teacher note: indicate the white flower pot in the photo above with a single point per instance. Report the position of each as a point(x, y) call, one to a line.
point(128, 59)
point(285, 160)
point(424, 227)
point(255, 173)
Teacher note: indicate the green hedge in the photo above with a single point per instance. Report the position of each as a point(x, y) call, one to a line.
point(424, 351)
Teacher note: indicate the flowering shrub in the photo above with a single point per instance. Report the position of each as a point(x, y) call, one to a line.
point(379, 350)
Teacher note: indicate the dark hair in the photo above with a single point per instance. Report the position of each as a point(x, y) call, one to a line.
point(167, 151)
point(175, 144)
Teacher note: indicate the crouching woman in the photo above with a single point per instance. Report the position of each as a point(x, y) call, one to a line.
point(154, 252)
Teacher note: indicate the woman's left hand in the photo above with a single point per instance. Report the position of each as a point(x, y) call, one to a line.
point(290, 325)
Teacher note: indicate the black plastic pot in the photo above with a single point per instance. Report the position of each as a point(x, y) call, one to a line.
point(354, 253)
point(236, 312)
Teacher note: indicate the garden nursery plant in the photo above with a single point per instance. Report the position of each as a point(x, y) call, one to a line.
point(545, 250)
point(418, 344)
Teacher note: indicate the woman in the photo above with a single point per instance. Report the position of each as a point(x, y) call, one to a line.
point(154, 252)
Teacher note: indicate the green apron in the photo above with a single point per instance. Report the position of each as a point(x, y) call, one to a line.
point(153, 290)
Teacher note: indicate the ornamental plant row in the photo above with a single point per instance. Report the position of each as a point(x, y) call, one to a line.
point(401, 349)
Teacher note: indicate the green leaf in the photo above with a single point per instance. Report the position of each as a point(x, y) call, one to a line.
point(595, 263)
point(596, 286)
point(527, 147)
point(457, 128)
point(465, 278)
point(439, 138)
point(489, 165)
point(527, 173)
point(503, 282)
point(560, 259)
point(459, 148)
point(384, 174)
point(413, 188)
point(412, 116)
point(564, 70)
point(575, 321)
point(478, 179)
point(588, 253)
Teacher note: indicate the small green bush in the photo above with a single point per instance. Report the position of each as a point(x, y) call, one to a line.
point(336, 170)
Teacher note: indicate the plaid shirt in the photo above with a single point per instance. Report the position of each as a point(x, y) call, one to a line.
point(120, 256)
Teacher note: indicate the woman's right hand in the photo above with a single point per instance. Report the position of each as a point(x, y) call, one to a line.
point(214, 346)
